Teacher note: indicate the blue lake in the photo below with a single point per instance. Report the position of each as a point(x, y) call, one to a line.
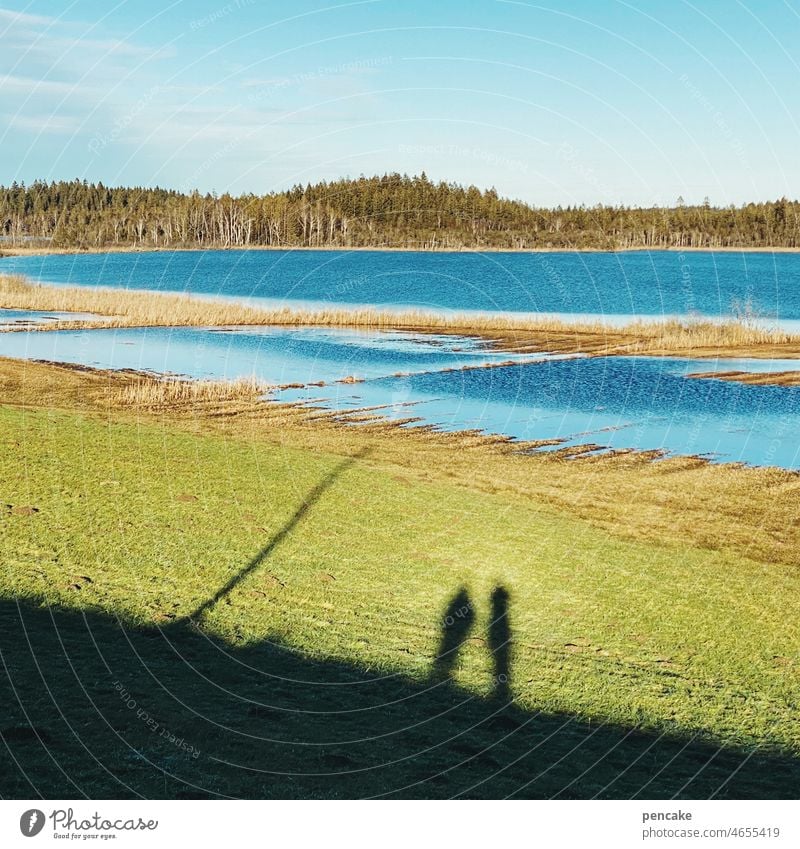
point(639, 403)
point(275, 355)
point(644, 403)
point(609, 284)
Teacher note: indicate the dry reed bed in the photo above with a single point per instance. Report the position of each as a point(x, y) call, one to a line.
point(770, 378)
point(151, 393)
point(121, 308)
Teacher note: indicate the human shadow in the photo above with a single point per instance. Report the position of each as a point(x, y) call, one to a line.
point(455, 626)
point(299, 514)
point(500, 644)
point(92, 705)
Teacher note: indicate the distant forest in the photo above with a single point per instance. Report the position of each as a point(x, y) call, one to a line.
point(394, 211)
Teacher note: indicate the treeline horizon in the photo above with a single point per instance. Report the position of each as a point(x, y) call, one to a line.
point(388, 211)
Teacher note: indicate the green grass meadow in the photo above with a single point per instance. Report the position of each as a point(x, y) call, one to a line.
point(274, 614)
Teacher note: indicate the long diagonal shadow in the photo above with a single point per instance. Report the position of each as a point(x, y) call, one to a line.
point(316, 493)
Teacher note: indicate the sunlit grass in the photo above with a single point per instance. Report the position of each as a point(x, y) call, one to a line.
point(657, 595)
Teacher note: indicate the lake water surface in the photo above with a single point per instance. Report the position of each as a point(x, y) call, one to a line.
point(275, 355)
point(616, 403)
point(641, 283)
point(14, 319)
point(644, 403)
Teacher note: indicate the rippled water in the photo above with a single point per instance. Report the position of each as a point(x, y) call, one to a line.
point(275, 355)
point(614, 402)
point(641, 403)
point(597, 283)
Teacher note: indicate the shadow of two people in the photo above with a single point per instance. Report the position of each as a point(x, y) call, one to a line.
point(457, 623)
point(264, 720)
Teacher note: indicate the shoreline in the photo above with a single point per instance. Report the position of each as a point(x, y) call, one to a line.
point(116, 308)
point(134, 511)
point(751, 378)
point(145, 395)
point(21, 251)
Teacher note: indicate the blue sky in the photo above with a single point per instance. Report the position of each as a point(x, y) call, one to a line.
point(560, 102)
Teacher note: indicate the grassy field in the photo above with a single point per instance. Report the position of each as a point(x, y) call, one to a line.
point(235, 598)
point(120, 308)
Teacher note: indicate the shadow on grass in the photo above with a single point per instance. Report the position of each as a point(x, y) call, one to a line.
point(456, 625)
point(93, 706)
point(308, 502)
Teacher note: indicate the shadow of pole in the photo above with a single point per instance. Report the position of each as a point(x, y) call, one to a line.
point(308, 502)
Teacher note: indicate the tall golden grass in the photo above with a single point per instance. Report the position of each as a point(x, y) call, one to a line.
point(153, 393)
point(121, 308)
point(15, 284)
point(752, 378)
point(679, 335)
point(118, 308)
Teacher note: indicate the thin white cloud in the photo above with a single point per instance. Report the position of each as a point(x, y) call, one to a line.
point(13, 17)
point(27, 85)
point(34, 45)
